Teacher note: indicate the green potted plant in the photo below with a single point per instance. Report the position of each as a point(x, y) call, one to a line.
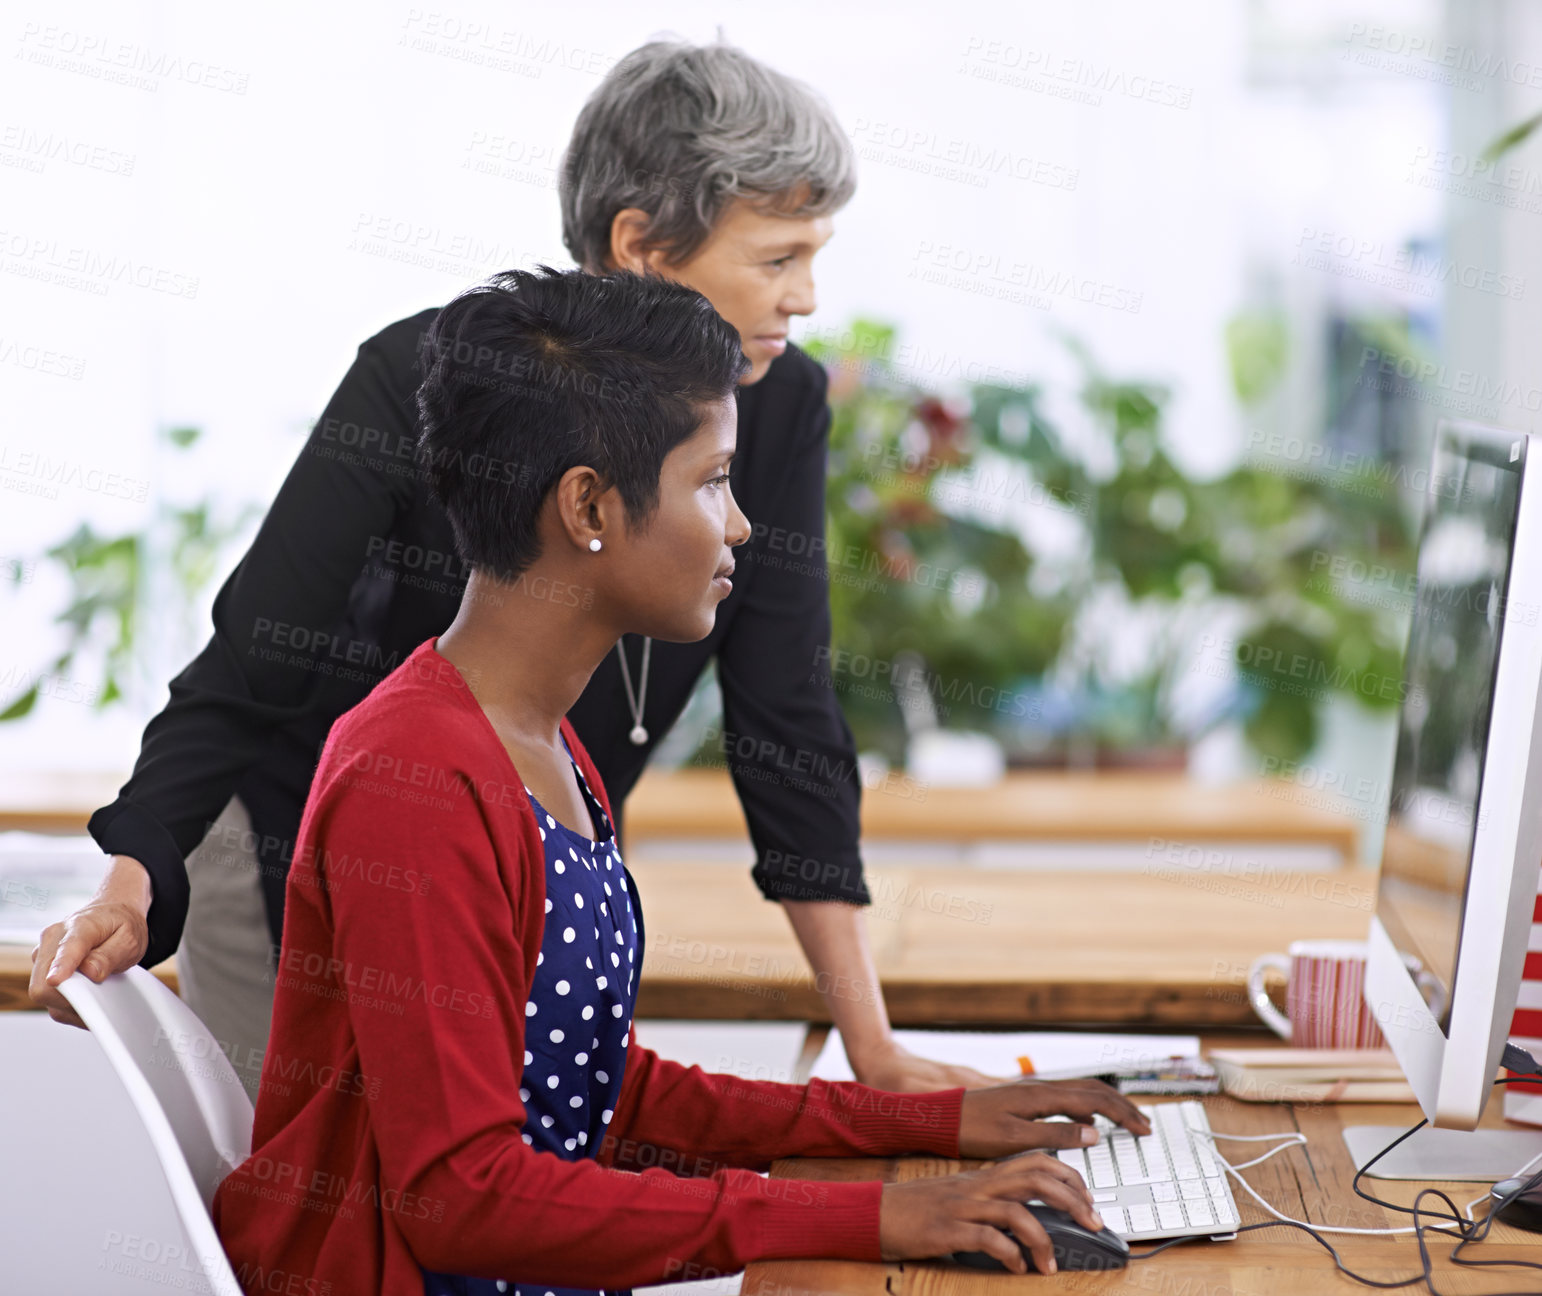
point(103, 614)
point(928, 561)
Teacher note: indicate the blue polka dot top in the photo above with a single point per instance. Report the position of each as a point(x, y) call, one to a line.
point(579, 1013)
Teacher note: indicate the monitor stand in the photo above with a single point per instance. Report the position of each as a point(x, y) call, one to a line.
point(1437, 1155)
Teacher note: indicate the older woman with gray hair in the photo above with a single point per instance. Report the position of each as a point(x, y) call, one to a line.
point(695, 163)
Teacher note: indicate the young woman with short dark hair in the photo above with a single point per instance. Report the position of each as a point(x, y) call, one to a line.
point(462, 941)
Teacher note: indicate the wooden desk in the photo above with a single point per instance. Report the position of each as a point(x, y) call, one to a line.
point(996, 947)
point(1110, 806)
point(1307, 1183)
point(1080, 807)
point(1170, 947)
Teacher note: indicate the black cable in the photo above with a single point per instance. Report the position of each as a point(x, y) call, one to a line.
point(1317, 1237)
point(1459, 1220)
point(1481, 1230)
point(1467, 1231)
point(1477, 1231)
point(1517, 1059)
point(1361, 1193)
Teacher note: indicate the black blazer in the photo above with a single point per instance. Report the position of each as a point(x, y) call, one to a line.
point(355, 566)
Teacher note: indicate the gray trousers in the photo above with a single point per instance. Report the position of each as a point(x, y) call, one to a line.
point(225, 961)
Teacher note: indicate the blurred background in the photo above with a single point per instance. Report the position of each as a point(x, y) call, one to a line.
point(1138, 328)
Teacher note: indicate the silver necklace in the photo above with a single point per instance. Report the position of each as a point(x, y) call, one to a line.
point(635, 701)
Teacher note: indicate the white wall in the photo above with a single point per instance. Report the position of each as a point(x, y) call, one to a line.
point(1203, 139)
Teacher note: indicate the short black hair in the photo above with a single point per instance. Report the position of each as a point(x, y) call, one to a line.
point(533, 372)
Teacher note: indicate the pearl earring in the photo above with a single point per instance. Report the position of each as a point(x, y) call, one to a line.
point(594, 545)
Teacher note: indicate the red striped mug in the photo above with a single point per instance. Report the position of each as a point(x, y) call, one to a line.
point(1325, 1004)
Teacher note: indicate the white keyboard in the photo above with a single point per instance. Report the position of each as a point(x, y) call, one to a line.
point(1166, 1184)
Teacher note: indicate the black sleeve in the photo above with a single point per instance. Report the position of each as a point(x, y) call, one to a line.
point(787, 744)
point(259, 669)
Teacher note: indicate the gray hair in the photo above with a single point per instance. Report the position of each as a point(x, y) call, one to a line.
point(681, 131)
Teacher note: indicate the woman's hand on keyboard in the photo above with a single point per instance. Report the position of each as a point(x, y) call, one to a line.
point(966, 1212)
point(1009, 1118)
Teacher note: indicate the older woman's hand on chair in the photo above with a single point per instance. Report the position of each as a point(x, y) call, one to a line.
point(108, 934)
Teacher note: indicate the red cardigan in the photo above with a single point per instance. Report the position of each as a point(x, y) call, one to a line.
point(389, 1120)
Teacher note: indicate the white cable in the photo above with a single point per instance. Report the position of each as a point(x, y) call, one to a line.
point(1294, 1138)
point(1320, 1228)
point(1250, 1138)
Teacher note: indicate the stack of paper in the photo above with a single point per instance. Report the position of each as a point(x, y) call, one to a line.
point(1049, 1055)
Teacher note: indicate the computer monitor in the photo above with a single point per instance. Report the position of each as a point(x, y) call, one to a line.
point(1463, 841)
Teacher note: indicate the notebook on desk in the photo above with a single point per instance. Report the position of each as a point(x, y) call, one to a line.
point(1311, 1075)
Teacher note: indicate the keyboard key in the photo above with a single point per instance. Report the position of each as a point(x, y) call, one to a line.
point(1186, 1181)
point(1142, 1219)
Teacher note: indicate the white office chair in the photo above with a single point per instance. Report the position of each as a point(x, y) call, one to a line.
point(185, 1091)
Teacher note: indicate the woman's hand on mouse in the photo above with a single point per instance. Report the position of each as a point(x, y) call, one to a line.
point(1009, 1118)
point(966, 1212)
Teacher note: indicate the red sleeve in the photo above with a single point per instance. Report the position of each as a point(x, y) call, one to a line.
point(692, 1121)
point(438, 1013)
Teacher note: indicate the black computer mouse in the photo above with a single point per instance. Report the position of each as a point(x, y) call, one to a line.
point(1075, 1247)
point(1524, 1211)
